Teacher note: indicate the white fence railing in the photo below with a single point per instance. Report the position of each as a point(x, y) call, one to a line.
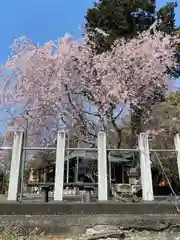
point(145, 166)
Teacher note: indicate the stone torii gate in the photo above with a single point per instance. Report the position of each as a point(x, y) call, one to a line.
point(59, 172)
point(146, 178)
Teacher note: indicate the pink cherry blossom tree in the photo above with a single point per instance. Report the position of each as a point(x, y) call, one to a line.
point(62, 84)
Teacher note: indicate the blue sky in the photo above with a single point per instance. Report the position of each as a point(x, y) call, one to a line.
point(42, 20)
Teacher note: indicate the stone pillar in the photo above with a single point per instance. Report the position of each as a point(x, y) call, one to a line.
point(177, 147)
point(102, 168)
point(145, 165)
point(15, 167)
point(59, 172)
point(44, 175)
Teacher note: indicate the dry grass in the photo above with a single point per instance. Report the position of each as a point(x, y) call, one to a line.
point(16, 233)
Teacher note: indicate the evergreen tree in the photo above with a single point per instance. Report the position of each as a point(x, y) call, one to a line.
point(166, 17)
point(117, 18)
point(166, 23)
point(125, 18)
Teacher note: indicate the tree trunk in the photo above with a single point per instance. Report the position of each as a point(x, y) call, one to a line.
point(136, 125)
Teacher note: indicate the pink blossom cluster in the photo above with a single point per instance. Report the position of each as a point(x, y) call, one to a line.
point(63, 84)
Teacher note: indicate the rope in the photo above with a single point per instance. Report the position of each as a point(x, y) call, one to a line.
point(178, 210)
point(160, 163)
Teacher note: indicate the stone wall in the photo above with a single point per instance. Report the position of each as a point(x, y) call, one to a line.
point(75, 218)
point(56, 208)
